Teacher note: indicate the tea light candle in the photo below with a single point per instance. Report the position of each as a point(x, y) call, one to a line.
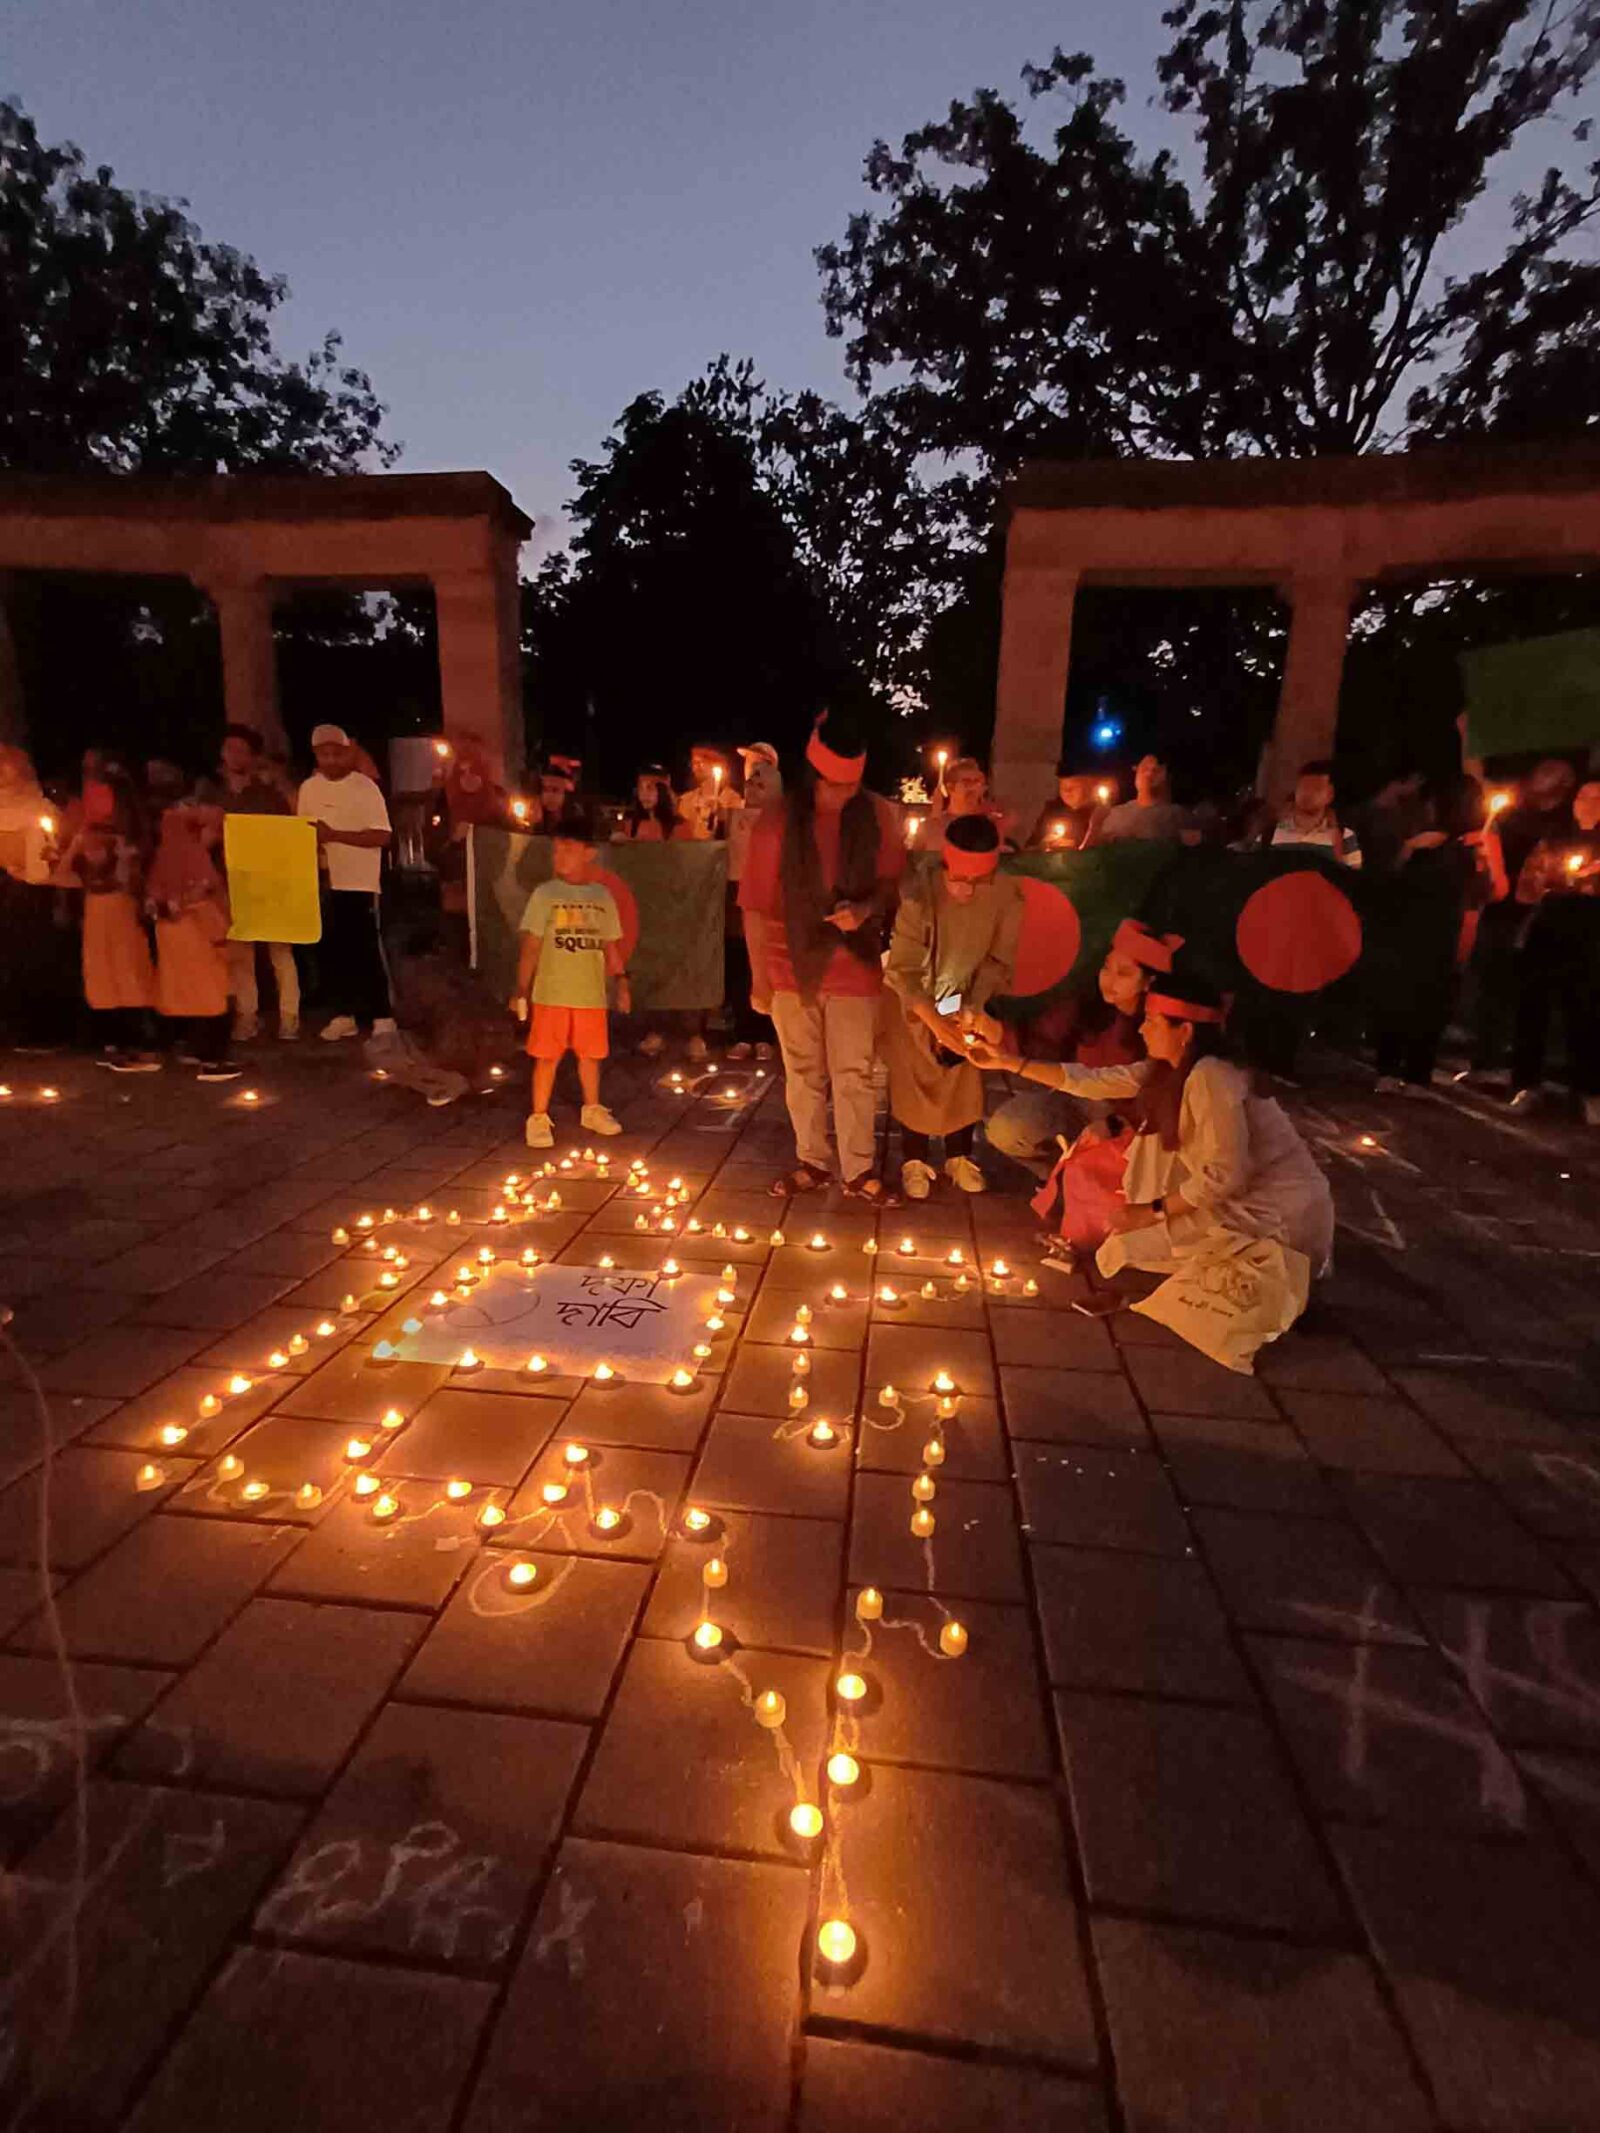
point(776, 1239)
point(670, 1267)
point(347, 1305)
point(907, 1249)
point(210, 1404)
point(458, 1491)
point(172, 1433)
point(695, 1520)
point(364, 1221)
point(929, 1291)
point(358, 1448)
point(341, 1236)
point(838, 1293)
point(384, 1507)
point(870, 1246)
point(819, 1242)
point(836, 1942)
point(799, 1335)
point(889, 1297)
point(1000, 1271)
point(805, 1821)
point(439, 1301)
point(715, 1323)
point(947, 1406)
point(553, 1493)
point(869, 1604)
point(639, 1222)
point(469, 1359)
point(802, 1364)
point(822, 1434)
point(843, 1770)
point(576, 1455)
point(308, 1496)
point(149, 1476)
point(771, 1710)
point(701, 1351)
point(453, 1215)
point(682, 1380)
point(944, 1382)
point(1030, 1287)
point(922, 1522)
point(955, 1256)
point(238, 1385)
point(531, 1258)
point(740, 1234)
point(727, 1296)
point(492, 1514)
point(708, 1638)
point(521, 1574)
point(607, 1520)
point(888, 1397)
point(798, 1397)
point(367, 1484)
point(933, 1452)
point(253, 1491)
point(277, 1360)
point(714, 1573)
point(604, 1374)
point(386, 1280)
point(391, 1419)
point(924, 1488)
point(849, 1688)
point(953, 1640)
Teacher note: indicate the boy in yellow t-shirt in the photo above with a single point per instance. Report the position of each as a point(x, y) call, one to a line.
point(571, 944)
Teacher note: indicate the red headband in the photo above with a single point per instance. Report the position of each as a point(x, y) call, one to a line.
point(1153, 951)
point(1176, 1010)
point(969, 866)
point(827, 763)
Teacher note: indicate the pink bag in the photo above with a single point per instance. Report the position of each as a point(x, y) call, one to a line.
point(1087, 1184)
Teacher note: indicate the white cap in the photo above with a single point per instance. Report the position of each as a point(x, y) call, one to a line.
point(329, 737)
point(760, 752)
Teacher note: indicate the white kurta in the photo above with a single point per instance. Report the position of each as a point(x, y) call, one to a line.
point(1239, 1163)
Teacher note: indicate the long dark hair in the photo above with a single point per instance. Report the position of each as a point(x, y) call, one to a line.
point(807, 898)
point(1161, 1097)
point(664, 813)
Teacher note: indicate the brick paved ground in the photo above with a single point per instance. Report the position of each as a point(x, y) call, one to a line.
point(1266, 1796)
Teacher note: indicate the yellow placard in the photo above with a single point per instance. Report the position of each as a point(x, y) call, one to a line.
point(272, 878)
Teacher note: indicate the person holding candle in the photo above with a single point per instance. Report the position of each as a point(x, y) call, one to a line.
point(1213, 1160)
point(1034, 1126)
point(1152, 816)
point(963, 793)
point(1558, 958)
point(106, 857)
point(704, 809)
point(823, 868)
point(38, 994)
point(1067, 823)
point(571, 944)
point(1540, 812)
point(954, 946)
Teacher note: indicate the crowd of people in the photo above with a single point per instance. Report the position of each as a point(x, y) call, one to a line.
point(133, 869)
point(865, 941)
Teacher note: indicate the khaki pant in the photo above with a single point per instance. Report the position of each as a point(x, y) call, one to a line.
point(829, 1043)
point(242, 981)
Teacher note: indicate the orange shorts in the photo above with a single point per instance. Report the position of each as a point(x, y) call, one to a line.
point(581, 1030)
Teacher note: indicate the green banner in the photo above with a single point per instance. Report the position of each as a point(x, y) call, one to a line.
point(679, 890)
point(1541, 694)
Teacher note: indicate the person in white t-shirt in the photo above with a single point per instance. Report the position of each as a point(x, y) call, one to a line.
point(352, 830)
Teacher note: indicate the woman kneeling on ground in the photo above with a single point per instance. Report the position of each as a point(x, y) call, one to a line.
point(1213, 1163)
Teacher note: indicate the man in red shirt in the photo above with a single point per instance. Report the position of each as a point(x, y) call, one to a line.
point(819, 882)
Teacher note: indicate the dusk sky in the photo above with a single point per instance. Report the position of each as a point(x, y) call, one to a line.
point(520, 213)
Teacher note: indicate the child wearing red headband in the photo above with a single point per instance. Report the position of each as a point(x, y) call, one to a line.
point(954, 946)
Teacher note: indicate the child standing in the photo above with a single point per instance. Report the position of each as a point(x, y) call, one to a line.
point(571, 936)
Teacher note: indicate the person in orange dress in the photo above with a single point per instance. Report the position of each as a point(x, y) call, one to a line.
point(186, 899)
point(104, 856)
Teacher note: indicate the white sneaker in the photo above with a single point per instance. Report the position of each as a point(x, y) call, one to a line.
point(1387, 1085)
point(594, 1118)
point(917, 1178)
point(697, 1053)
point(385, 1026)
point(652, 1045)
point(340, 1026)
point(538, 1132)
point(965, 1175)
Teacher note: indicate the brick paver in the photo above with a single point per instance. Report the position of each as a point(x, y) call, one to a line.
point(1264, 1796)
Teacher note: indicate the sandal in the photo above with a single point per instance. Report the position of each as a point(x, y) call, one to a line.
point(872, 1190)
point(804, 1178)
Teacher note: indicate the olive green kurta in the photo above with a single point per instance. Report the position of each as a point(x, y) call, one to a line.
point(943, 951)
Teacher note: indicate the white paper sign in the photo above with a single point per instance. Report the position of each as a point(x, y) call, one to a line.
point(644, 1325)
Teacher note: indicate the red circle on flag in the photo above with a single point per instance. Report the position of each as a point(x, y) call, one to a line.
point(627, 910)
point(1298, 933)
point(1048, 939)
